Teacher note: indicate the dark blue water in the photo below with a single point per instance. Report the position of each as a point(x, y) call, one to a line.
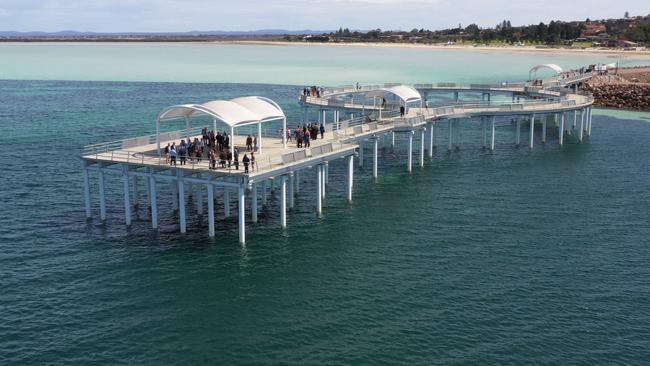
point(478, 258)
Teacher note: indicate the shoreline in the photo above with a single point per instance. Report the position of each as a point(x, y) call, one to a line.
point(524, 49)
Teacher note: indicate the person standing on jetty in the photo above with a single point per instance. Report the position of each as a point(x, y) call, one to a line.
point(246, 162)
point(401, 111)
point(322, 130)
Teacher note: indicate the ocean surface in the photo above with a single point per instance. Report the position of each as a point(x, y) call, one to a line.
point(509, 258)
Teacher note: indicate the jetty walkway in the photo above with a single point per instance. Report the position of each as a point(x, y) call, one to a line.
point(353, 116)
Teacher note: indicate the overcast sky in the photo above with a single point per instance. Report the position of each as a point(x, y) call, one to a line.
point(185, 15)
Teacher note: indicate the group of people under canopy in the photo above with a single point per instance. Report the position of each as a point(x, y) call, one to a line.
point(213, 147)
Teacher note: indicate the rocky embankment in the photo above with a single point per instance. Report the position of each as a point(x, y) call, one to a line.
point(628, 89)
point(621, 96)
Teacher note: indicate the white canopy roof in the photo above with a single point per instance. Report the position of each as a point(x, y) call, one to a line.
point(231, 112)
point(406, 93)
point(553, 67)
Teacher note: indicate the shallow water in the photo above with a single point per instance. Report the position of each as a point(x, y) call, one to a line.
point(286, 65)
point(478, 258)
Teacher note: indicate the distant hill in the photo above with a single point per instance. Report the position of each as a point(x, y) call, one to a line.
point(195, 33)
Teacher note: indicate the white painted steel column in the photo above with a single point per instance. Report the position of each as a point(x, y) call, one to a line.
point(198, 197)
point(409, 164)
point(518, 133)
point(174, 196)
point(134, 183)
point(154, 201)
point(422, 147)
point(392, 137)
point(544, 129)
point(102, 197)
point(323, 184)
point(86, 190)
point(375, 158)
point(493, 141)
point(319, 187)
point(432, 137)
point(532, 131)
point(283, 201)
point(451, 135)
point(210, 210)
point(561, 130)
point(127, 203)
point(259, 138)
point(590, 121)
point(242, 214)
point(582, 125)
point(265, 187)
point(226, 202)
point(575, 119)
point(181, 202)
point(297, 188)
point(360, 154)
point(291, 191)
point(254, 202)
point(484, 132)
point(350, 176)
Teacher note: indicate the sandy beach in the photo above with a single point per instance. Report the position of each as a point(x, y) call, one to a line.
point(525, 49)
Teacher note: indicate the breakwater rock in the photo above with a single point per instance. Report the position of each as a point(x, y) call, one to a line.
point(622, 96)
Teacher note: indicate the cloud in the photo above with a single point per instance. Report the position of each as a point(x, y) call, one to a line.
point(182, 15)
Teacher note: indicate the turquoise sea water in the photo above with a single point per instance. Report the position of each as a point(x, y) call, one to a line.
point(506, 258)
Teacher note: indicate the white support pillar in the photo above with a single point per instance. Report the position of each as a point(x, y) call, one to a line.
point(422, 147)
point(323, 181)
point(590, 120)
point(86, 189)
point(226, 202)
point(198, 197)
point(544, 129)
point(259, 137)
point(532, 131)
point(284, 132)
point(283, 201)
point(319, 187)
point(210, 210)
point(350, 176)
point(360, 154)
point(242, 215)
point(409, 158)
point(432, 138)
point(484, 132)
point(575, 119)
point(127, 203)
point(493, 141)
point(561, 130)
point(154, 202)
point(102, 197)
point(451, 135)
point(297, 188)
point(254, 202)
point(265, 187)
point(232, 141)
point(327, 173)
point(181, 202)
point(291, 190)
point(518, 132)
point(582, 125)
point(375, 157)
point(392, 139)
point(174, 187)
point(134, 183)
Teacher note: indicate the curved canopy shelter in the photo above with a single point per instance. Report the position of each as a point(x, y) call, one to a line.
point(238, 112)
point(556, 69)
point(406, 94)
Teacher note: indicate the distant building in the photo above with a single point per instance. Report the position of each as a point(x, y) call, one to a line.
point(592, 29)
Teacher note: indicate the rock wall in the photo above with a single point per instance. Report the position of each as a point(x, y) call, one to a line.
point(622, 96)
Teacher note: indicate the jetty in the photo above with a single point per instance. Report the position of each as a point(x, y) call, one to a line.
point(353, 118)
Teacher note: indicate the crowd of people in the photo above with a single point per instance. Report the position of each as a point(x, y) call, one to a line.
point(305, 134)
point(212, 146)
point(313, 91)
